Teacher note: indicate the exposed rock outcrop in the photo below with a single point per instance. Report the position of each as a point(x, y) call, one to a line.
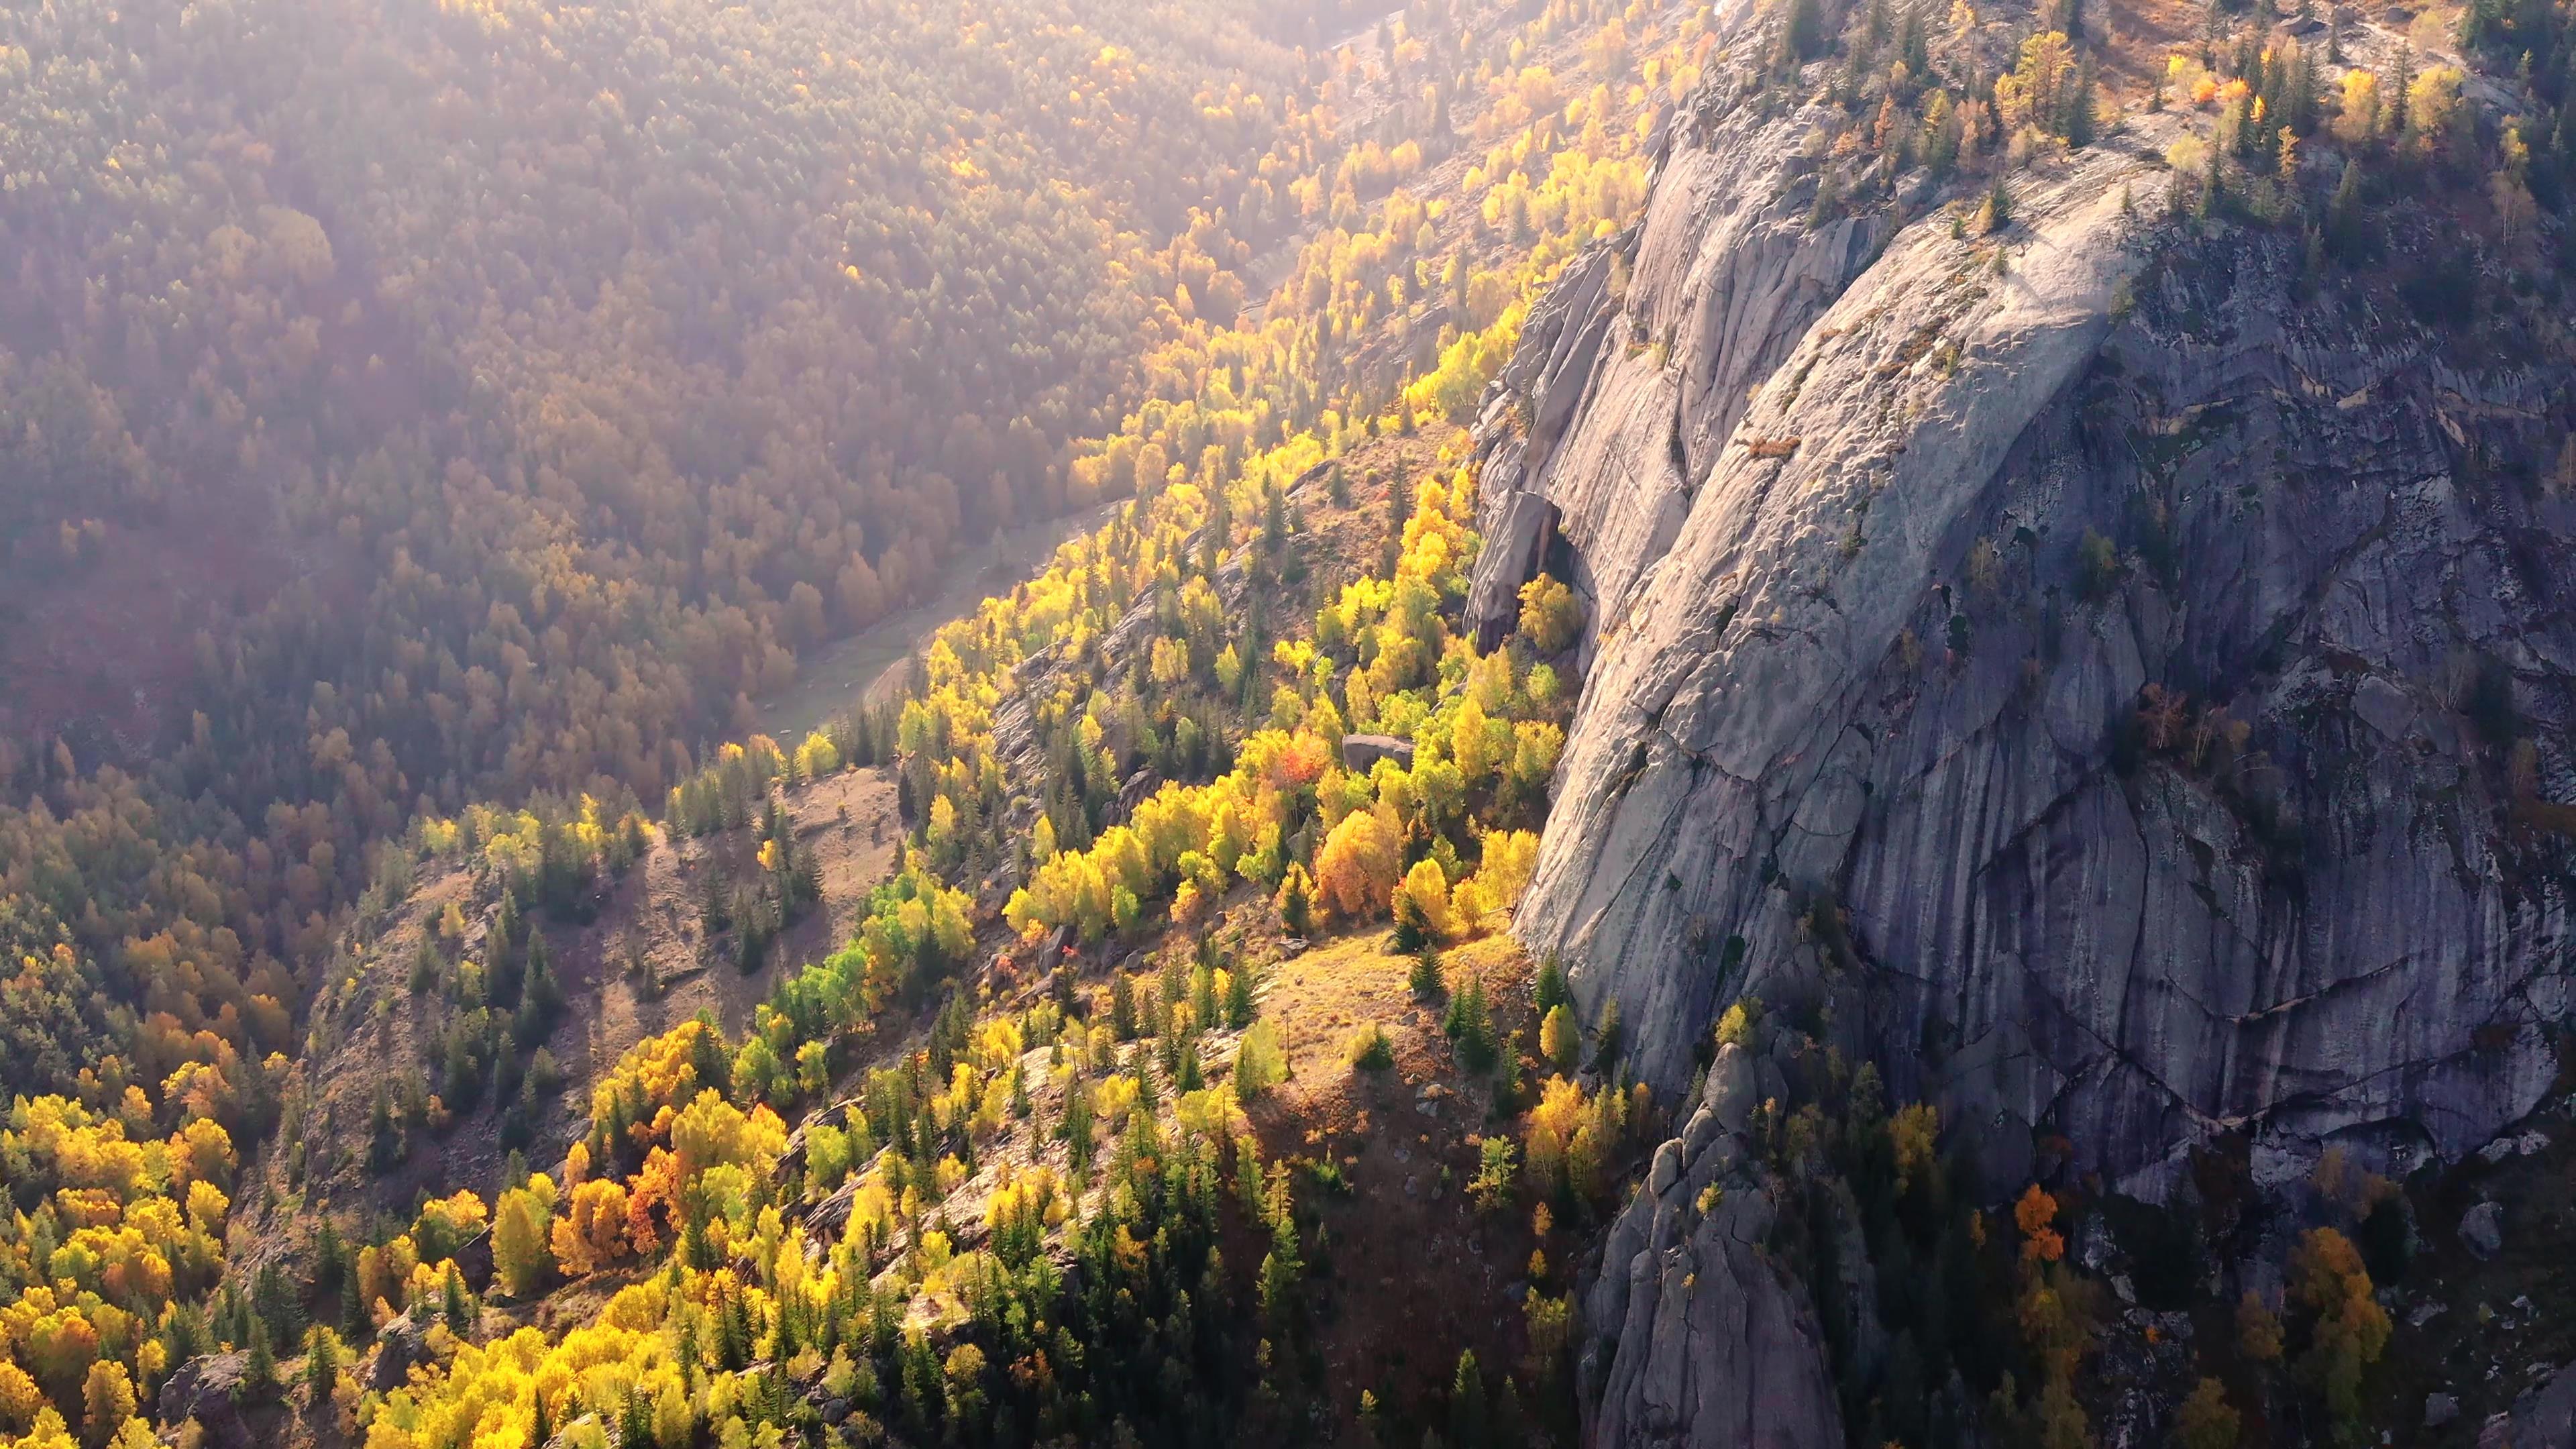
point(2130, 691)
point(1869, 711)
point(2545, 1418)
point(401, 1346)
point(1361, 752)
point(210, 1389)
point(1694, 1338)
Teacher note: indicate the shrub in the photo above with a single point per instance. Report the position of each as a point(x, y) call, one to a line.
point(2206, 1420)
point(1260, 1064)
point(1608, 1033)
point(1498, 1164)
point(1370, 1049)
point(2097, 564)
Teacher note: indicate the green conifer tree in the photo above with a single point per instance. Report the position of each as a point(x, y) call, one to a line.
point(1467, 1417)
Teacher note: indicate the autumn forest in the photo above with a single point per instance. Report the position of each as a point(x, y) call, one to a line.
point(431, 431)
point(852, 721)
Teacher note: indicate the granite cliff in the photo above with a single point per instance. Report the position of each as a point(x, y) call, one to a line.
point(2109, 671)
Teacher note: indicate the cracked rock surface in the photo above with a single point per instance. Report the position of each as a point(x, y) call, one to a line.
point(2131, 692)
point(1871, 654)
point(1694, 1338)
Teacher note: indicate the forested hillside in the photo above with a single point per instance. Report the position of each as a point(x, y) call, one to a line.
point(648, 343)
point(450, 418)
point(410, 405)
point(1801, 723)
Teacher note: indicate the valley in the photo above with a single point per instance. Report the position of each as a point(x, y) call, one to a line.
point(999, 723)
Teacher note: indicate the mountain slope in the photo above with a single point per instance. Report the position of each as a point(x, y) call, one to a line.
point(2073, 641)
point(1888, 652)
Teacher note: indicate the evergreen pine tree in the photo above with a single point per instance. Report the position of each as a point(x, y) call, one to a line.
point(456, 1305)
point(1511, 1425)
point(384, 1139)
point(2079, 109)
point(2344, 215)
point(1475, 1036)
point(504, 936)
point(1238, 996)
point(634, 1424)
point(1412, 933)
point(1424, 981)
point(1548, 991)
point(707, 1059)
point(737, 1331)
point(1467, 1427)
point(1203, 1005)
point(1076, 1129)
point(540, 998)
point(259, 1372)
point(1605, 1031)
point(1802, 38)
point(1296, 902)
point(327, 1264)
point(782, 1336)
point(321, 1367)
point(806, 876)
point(1122, 1007)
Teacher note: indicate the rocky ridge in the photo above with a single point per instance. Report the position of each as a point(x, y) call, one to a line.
point(2116, 689)
point(1727, 1351)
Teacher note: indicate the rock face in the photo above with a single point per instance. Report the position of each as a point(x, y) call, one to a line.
point(2131, 693)
point(2545, 1418)
point(1869, 712)
point(1693, 1337)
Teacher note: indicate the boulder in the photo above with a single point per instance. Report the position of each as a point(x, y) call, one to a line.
point(1133, 793)
point(2482, 1229)
point(209, 1388)
point(2544, 1418)
point(399, 1345)
point(1515, 546)
point(1361, 752)
point(830, 1215)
